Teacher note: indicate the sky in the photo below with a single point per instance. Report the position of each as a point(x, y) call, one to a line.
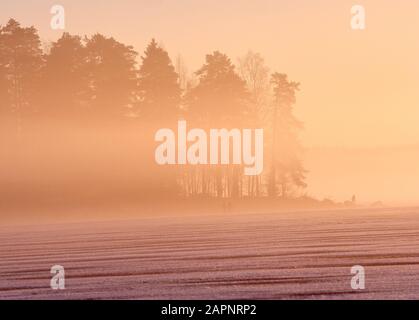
point(358, 88)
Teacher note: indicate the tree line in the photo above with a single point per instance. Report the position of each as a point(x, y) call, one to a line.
point(86, 80)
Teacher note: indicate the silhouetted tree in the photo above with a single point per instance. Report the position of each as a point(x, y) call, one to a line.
point(286, 168)
point(219, 99)
point(220, 96)
point(21, 62)
point(65, 77)
point(159, 106)
point(160, 93)
point(112, 76)
point(98, 78)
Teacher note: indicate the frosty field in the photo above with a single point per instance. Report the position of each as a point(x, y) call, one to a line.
point(286, 255)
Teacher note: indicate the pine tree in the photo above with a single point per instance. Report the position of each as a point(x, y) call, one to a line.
point(219, 100)
point(21, 62)
point(112, 77)
point(220, 96)
point(65, 77)
point(160, 92)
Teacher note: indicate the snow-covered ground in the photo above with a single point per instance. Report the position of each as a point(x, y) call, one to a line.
point(293, 255)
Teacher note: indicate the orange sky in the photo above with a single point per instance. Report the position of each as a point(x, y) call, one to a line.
point(359, 88)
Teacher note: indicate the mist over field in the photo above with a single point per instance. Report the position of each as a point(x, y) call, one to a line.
point(88, 184)
point(374, 174)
